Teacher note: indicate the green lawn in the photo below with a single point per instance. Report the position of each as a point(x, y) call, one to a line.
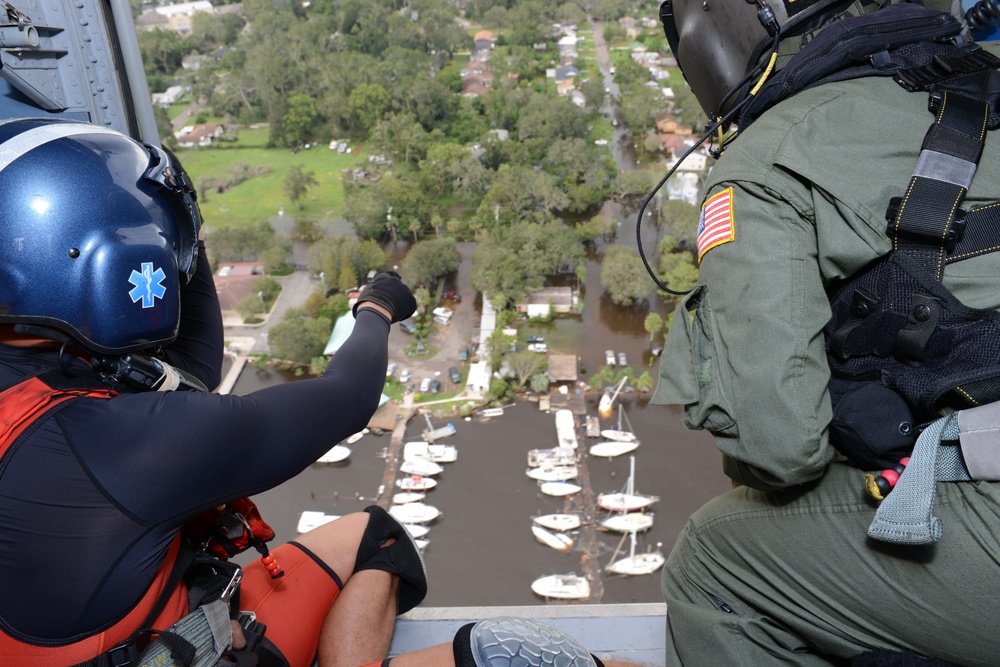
point(260, 198)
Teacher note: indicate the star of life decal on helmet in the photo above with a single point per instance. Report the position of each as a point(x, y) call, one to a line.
point(148, 285)
point(716, 225)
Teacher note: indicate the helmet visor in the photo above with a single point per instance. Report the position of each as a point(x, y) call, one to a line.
point(166, 171)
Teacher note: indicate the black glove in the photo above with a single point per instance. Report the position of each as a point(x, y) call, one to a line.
point(388, 291)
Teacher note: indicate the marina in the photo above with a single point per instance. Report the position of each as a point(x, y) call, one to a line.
point(484, 509)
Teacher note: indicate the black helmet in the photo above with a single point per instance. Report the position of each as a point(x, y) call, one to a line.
point(97, 234)
point(718, 42)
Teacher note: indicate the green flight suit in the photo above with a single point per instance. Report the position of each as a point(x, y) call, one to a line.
point(781, 570)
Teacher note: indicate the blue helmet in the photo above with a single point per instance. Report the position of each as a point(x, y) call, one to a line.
point(98, 233)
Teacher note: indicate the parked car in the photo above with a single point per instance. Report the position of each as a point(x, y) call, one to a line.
point(622, 359)
point(536, 339)
point(463, 354)
point(538, 347)
point(609, 357)
point(408, 326)
point(404, 377)
point(435, 386)
point(390, 369)
point(425, 385)
point(453, 295)
point(456, 377)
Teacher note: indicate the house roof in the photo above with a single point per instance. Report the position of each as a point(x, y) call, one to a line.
point(562, 367)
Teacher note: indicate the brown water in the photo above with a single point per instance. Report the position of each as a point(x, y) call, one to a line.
point(481, 549)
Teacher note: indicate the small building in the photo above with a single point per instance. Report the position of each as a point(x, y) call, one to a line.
point(542, 302)
point(201, 135)
point(562, 368)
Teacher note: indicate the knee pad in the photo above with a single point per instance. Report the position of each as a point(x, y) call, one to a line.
point(401, 558)
point(505, 642)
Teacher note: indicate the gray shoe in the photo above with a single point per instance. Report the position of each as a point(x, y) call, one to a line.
point(519, 642)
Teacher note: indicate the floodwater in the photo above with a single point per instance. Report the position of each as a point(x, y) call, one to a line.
point(481, 549)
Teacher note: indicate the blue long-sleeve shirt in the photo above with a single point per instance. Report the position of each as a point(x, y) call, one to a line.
point(92, 497)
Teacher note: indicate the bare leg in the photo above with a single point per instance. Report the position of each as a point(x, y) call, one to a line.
point(358, 627)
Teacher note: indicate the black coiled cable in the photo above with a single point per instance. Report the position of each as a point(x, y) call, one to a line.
point(984, 14)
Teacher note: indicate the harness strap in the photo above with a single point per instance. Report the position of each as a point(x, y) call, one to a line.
point(927, 223)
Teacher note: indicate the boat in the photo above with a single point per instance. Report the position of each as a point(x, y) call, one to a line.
point(351, 439)
point(627, 500)
point(338, 453)
point(417, 530)
point(430, 435)
point(421, 544)
point(555, 456)
point(636, 564)
point(404, 497)
point(558, 541)
point(420, 467)
point(416, 483)
point(420, 449)
point(619, 434)
point(414, 512)
point(558, 521)
point(613, 448)
point(312, 519)
point(491, 412)
point(562, 586)
point(566, 428)
point(593, 426)
point(552, 473)
point(628, 522)
point(559, 488)
point(607, 401)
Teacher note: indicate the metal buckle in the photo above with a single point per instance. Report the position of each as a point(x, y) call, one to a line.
point(230, 590)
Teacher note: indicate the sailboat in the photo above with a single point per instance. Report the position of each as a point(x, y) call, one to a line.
point(421, 467)
point(608, 400)
point(416, 512)
point(559, 488)
point(613, 448)
point(628, 522)
point(563, 586)
point(558, 521)
point(627, 500)
point(619, 434)
point(552, 473)
point(634, 564)
point(558, 541)
point(556, 456)
point(336, 454)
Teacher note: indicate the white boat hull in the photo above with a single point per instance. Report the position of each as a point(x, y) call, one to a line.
point(613, 448)
point(421, 450)
point(560, 488)
point(558, 541)
point(558, 521)
point(416, 483)
point(414, 513)
point(338, 453)
point(311, 519)
point(638, 564)
point(618, 435)
point(420, 467)
point(556, 456)
point(552, 473)
point(624, 502)
point(628, 523)
point(562, 586)
point(408, 497)
point(417, 530)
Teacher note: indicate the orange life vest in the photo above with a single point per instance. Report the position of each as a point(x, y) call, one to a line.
point(20, 406)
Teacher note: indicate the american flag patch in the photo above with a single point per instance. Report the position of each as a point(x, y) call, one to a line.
point(715, 226)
